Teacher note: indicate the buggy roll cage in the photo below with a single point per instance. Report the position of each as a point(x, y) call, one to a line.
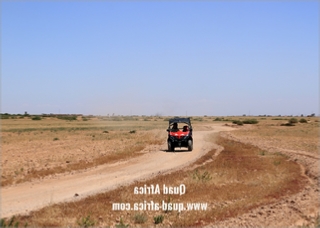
point(180, 120)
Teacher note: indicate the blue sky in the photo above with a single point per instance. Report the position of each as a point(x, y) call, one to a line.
point(169, 58)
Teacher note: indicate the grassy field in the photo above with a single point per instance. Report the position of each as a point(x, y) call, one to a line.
point(35, 149)
point(301, 136)
point(242, 177)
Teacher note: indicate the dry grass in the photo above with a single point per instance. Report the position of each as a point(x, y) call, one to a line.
point(35, 149)
point(239, 179)
point(301, 137)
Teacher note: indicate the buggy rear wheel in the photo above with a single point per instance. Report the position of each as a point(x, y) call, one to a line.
point(170, 146)
point(190, 145)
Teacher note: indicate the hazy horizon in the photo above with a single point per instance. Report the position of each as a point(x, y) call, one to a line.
point(155, 115)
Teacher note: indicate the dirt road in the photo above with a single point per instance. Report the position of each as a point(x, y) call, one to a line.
point(25, 197)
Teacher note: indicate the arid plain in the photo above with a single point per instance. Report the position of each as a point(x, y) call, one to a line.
point(261, 174)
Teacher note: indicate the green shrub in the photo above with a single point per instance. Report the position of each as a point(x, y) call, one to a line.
point(86, 222)
point(36, 118)
point(218, 119)
point(250, 121)
point(303, 120)
point(205, 176)
point(67, 117)
point(238, 122)
point(158, 219)
point(293, 120)
point(132, 132)
point(10, 223)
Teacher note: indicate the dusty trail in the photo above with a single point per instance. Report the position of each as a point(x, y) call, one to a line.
point(25, 197)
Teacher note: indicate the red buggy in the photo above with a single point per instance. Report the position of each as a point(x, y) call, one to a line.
point(180, 136)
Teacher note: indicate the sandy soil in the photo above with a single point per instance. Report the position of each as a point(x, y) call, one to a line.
point(25, 197)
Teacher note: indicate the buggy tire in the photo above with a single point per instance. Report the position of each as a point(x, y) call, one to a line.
point(170, 146)
point(190, 145)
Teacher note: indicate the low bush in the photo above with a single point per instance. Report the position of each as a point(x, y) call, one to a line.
point(67, 117)
point(158, 219)
point(205, 176)
point(303, 120)
point(250, 121)
point(238, 122)
point(86, 222)
point(36, 118)
point(293, 121)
